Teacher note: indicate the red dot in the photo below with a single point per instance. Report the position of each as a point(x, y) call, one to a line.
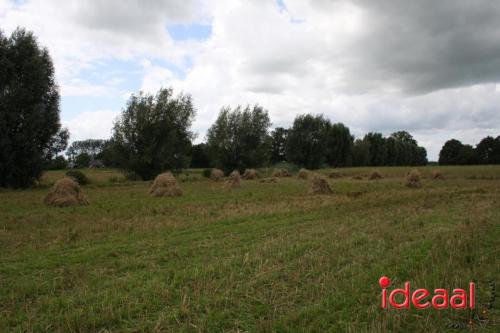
point(384, 282)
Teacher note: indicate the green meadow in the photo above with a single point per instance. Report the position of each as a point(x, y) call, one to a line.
point(263, 258)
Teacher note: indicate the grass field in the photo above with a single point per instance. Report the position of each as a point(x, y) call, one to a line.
point(264, 258)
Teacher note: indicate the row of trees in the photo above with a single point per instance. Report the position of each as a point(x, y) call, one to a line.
point(239, 139)
point(487, 151)
point(154, 134)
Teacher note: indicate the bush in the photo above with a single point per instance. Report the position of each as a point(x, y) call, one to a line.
point(207, 173)
point(132, 176)
point(290, 167)
point(116, 179)
point(78, 176)
point(58, 163)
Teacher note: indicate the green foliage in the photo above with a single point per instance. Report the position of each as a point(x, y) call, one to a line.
point(82, 160)
point(398, 149)
point(91, 147)
point(378, 148)
point(153, 133)
point(307, 141)
point(57, 144)
point(488, 150)
point(239, 138)
point(207, 173)
point(313, 142)
point(30, 130)
point(132, 176)
point(404, 137)
point(290, 167)
point(199, 156)
point(78, 176)
point(57, 163)
point(455, 152)
point(361, 152)
point(339, 144)
point(278, 145)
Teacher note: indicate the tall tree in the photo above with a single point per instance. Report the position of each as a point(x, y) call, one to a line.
point(199, 156)
point(339, 145)
point(307, 141)
point(450, 152)
point(378, 149)
point(29, 109)
point(405, 137)
point(361, 153)
point(153, 133)
point(91, 147)
point(488, 150)
point(239, 138)
point(278, 145)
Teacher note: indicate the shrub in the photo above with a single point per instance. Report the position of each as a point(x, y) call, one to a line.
point(132, 176)
point(58, 163)
point(207, 173)
point(78, 176)
point(116, 179)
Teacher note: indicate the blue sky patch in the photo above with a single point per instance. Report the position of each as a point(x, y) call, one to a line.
point(189, 31)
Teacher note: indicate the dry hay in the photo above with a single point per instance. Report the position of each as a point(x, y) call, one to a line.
point(249, 174)
point(413, 179)
point(217, 175)
point(281, 173)
point(165, 185)
point(303, 174)
point(437, 174)
point(269, 180)
point(334, 175)
point(234, 180)
point(318, 185)
point(375, 175)
point(65, 192)
point(357, 177)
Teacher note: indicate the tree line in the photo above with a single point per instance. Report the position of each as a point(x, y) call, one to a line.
point(487, 151)
point(153, 132)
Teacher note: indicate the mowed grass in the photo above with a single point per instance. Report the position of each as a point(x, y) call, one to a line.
point(264, 258)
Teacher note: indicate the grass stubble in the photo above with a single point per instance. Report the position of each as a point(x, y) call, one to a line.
point(265, 258)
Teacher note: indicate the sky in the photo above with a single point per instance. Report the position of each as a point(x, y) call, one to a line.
point(429, 67)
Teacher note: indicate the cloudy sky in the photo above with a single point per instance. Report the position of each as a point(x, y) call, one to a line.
point(429, 67)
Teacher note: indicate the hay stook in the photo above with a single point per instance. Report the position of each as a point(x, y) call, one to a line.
point(66, 192)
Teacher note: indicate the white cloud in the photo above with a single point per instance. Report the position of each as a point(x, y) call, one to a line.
point(91, 125)
point(155, 77)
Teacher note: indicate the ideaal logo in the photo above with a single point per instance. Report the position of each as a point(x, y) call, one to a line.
point(477, 314)
point(441, 298)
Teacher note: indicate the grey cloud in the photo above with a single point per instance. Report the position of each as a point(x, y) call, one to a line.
point(422, 46)
point(134, 17)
